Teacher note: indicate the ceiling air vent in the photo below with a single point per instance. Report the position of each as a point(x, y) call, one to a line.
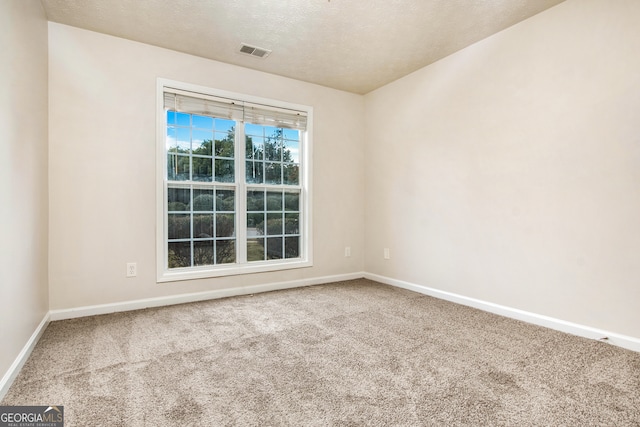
point(258, 52)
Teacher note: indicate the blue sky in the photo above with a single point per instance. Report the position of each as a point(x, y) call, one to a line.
point(209, 128)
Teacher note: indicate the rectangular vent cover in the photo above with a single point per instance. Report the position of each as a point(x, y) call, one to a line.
point(258, 52)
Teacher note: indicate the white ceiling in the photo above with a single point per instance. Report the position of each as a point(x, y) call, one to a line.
point(352, 45)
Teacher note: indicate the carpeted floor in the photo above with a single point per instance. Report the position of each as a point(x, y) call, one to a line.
point(354, 353)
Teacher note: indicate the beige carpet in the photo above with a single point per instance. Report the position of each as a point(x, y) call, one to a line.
point(355, 353)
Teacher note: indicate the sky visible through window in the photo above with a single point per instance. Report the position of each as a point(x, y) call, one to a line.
point(186, 131)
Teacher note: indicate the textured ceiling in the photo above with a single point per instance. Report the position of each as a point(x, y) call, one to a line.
point(352, 45)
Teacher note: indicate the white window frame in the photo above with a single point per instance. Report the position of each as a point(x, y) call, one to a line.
point(164, 274)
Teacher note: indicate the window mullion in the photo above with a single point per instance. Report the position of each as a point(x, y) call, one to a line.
point(191, 230)
point(241, 195)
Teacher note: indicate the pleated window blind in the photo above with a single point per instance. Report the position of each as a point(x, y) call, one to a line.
point(188, 102)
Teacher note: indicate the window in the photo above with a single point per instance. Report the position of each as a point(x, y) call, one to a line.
point(233, 183)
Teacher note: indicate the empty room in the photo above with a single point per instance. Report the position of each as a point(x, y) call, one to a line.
point(320, 213)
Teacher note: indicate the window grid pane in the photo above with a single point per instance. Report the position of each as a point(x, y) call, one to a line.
point(200, 225)
point(200, 148)
point(272, 155)
point(273, 223)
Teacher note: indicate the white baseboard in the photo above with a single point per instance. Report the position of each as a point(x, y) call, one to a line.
point(628, 342)
point(17, 364)
point(193, 297)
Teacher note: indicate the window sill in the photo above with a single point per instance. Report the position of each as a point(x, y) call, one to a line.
point(191, 273)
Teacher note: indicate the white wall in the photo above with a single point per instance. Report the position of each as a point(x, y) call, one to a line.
point(23, 175)
point(102, 167)
point(506, 172)
point(510, 171)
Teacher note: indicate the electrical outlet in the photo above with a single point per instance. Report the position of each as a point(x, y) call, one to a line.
point(132, 269)
point(347, 251)
point(387, 253)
